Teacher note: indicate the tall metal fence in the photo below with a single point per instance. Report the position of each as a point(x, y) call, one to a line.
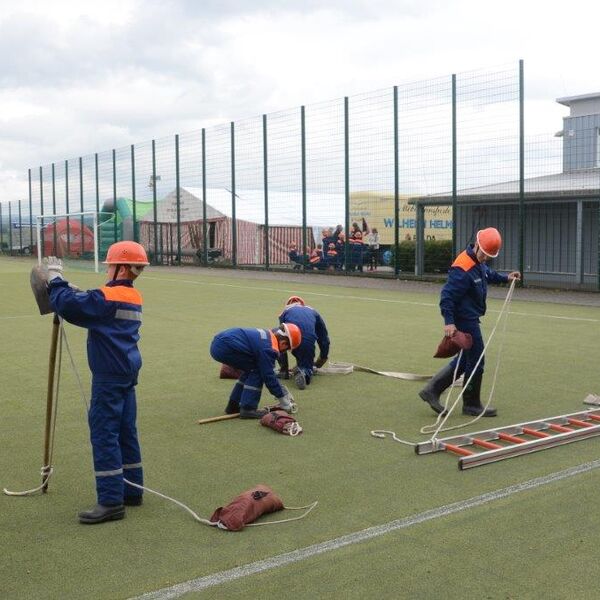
point(392, 182)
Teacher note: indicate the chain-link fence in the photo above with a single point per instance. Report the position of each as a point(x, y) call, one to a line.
point(393, 182)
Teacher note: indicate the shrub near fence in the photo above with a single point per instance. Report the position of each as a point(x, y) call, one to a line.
point(438, 256)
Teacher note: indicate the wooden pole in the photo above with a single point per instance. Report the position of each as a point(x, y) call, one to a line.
point(50, 403)
point(221, 418)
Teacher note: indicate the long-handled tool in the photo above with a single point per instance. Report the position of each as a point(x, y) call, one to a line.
point(50, 406)
point(220, 418)
point(40, 292)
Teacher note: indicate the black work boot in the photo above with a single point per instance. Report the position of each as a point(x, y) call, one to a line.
point(300, 380)
point(133, 500)
point(252, 413)
point(232, 407)
point(100, 514)
point(441, 381)
point(472, 399)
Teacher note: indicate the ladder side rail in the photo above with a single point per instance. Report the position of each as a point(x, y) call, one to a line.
point(528, 447)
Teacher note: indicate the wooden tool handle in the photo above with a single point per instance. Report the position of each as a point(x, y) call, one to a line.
point(220, 418)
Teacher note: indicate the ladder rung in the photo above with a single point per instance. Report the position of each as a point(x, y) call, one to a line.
point(510, 438)
point(580, 423)
point(560, 428)
point(594, 417)
point(458, 450)
point(535, 432)
point(486, 444)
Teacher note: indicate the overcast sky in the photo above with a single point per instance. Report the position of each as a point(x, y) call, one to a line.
point(80, 76)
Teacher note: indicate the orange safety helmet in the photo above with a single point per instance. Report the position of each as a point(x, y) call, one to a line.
point(126, 253)
point(294, 300)
point(489, 241)
point(293, 334)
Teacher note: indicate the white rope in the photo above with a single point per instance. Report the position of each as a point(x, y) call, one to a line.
point(45, 472)
point(180, 504)
point(441, 419)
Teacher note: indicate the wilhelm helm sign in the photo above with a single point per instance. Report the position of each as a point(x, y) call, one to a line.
point(377, 209)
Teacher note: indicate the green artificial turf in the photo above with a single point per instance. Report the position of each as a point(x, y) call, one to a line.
point(548, 366)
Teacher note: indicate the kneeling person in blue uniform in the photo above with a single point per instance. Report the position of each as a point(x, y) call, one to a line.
point(462, 303)
point(112, 315)
point(254, 352)
point(314, 331)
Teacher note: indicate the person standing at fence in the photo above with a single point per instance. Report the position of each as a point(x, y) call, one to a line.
point(462, 303)
point(113, 316)
point(373, 243)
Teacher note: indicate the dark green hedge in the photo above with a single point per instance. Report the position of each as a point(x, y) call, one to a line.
point(438, 255)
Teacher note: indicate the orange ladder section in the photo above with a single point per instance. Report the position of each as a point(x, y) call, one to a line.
point(492, 445)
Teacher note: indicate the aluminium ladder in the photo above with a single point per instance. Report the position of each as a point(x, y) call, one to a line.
point(493, 445)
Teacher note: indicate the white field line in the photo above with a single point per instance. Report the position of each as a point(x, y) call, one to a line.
point(364, 298)
point(201, 583)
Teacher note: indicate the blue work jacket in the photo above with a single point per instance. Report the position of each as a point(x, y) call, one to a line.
point(311, 324)
point(464, 295)
point(112, 315)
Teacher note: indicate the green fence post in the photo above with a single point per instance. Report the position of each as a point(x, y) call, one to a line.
point(81, 202)
point(454, 171)
point(10, 240)
point(178, 199)
point(97, 183)
point(30, 210)
point(54, 236)
point(67, 207)
point(396, 188)
point(266, 190)
point(346, 183)
point(154, 201)
point(598, 235)
point(233, 215)
point(303, 172)
point(133, 198)
point(205, 240)
point(521, 172)
point(42, 249)
point(20, 231)
point(114, 174)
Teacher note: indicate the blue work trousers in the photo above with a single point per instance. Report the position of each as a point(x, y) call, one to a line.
point(113, 433)
point(305, 357)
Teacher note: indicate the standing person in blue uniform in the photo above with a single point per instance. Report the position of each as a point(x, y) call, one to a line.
point(113, 316)
point(462, 303)
point(314, 331)
point(254, 352)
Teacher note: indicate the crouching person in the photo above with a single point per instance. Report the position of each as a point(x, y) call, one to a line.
point(113, 316)
point(254, 352)
point(462, 303)
point(314, 331)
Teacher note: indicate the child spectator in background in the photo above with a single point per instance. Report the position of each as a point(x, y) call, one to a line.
point(332, 257)
point(317, 258)
point(373, 242)
point(295, 257)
